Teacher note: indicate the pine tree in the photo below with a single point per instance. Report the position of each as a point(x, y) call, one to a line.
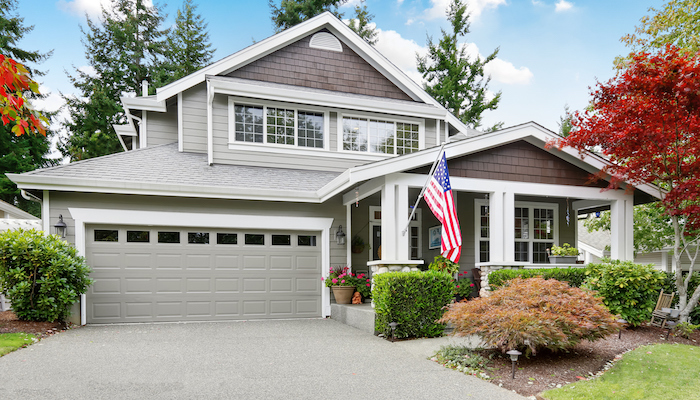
point(187, 46)
point(360, 24)
point(125, 47)
point(293, 12)
point(29, 151)
point(453, 78)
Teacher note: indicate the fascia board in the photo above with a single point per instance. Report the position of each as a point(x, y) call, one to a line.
point(159, 189)
point(17, 212)
point(124, 130)
point(144, 103)
point(289, 95)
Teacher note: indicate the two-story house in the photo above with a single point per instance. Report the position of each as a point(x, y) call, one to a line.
point(240, 180)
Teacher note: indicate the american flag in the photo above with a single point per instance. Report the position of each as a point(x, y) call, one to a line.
point(438, 195)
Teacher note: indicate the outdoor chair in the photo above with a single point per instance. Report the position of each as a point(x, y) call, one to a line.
point(476, 277)
point(662, 311)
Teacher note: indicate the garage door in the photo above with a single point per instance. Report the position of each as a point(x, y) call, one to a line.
point(183, 274)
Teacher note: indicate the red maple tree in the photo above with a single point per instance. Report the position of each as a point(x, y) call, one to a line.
point(646, 122)
point(14, 109)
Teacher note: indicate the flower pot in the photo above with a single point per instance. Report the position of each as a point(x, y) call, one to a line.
point(563, 259)
point(357, 249)
point(343, 294)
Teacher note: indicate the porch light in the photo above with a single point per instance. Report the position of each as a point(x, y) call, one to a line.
point(340, 236)
point(393, 326)
point(61, 227)
point(670, 325)
point(623, 322)
point(513, 358)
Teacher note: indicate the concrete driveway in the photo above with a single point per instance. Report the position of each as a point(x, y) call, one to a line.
point(295, 359)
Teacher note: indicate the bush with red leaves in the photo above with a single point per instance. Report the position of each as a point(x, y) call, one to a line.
point(532, 314)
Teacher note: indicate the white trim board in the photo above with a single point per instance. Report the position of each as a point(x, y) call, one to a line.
point(84, 216)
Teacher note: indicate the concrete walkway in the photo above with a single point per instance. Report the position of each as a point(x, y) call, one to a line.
point(295, 359)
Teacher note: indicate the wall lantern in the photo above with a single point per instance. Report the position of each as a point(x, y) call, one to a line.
point(61, 227)
point(340, 236)
point(513, 358)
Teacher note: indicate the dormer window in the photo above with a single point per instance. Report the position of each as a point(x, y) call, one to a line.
point(277, 125)
point(379, 136)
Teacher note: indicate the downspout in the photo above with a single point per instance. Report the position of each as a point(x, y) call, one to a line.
point(30, 197)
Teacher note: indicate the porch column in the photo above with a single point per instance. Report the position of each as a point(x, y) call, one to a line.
point(621, 229)
point(508, 227)
point(496, 227)
point(348, 237)
point(389, 222)
point(402, 214)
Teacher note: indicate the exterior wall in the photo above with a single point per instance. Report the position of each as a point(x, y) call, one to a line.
point(194, 119)
point(300, 65)
point(162, 127)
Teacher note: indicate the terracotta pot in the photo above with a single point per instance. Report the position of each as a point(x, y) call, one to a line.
point(343, 294)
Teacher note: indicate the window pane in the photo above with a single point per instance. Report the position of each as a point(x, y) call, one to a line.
point(281, 240)
point(484, 251)
point(168, 237)
point(306, 240)
point(406, 138)
point(521, 251)
point(138, 236)
point(227, 238)
point(254, 239)
point(539, 252)
point(543, 223)
point(414, 243)
point(381, 137)
point(280, 126)
point(104, 235)
point(484, 221)
point(522, 223)
point(249, 123)
point(198, 237)
point(354, 134)
point(310, 127)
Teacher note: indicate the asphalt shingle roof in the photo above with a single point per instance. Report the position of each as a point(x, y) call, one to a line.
point(164, 164)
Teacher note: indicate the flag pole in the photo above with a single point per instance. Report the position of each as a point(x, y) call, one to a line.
point(420, 196)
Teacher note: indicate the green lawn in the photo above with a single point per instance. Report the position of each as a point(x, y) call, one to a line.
point(662, 371)
point(12, 341)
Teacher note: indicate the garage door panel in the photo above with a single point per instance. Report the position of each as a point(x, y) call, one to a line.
point(139, 282)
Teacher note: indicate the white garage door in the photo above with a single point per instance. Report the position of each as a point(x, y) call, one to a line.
point(183, 274)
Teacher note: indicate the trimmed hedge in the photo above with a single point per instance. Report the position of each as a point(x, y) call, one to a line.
point(628, 289)
point(415, 300)
point(573, 276)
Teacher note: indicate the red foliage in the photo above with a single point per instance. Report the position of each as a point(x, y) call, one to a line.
point(14, 82)
point(533, 314)
point(646, 121)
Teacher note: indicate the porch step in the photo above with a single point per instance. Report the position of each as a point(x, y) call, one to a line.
point(360, 316)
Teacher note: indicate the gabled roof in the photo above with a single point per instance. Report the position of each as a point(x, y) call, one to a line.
point(15, 213)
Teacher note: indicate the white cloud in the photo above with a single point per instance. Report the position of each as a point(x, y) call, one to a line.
point(88, 69)
point(399, 2)
point(92, 8)
point(563, 5)
point(474, 8)
point(52, 102)
point(351, 4)
point(537, 3)
point(410, 22)
point(505, 72)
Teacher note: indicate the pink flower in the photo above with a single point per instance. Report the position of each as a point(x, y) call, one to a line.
point(322, 279)
point(369, 284)
point(471, 285)
point(367, 280)
point(458, 286)
point(343, 281)
point(335, 281)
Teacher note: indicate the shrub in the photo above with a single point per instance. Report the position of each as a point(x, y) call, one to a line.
point(441, 263)
point(464, 286)
point(564, 250)
point(533, 314)
point(573, 276)
point(415, 300)
point(685, 329)
point(628, 289)
point(463, 359)
point(41, 275)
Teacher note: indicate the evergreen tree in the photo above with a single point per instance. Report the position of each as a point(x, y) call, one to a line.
point(453, 79)
point(187, 46)
point(125, 47)
point(293, 12)
point(565, 122)
point(29, 151)
point(360, 24)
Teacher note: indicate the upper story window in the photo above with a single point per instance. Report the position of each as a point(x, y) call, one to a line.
point(255, 123)
point(378, 136)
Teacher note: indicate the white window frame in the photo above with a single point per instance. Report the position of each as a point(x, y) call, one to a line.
point(383, 118)
point(511, 225)
point(234, 144)
point(416, 222)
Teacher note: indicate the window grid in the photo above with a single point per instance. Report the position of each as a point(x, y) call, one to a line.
point(406, 138)
point(280, 126)
point(415, 242)
point(249, 124)
point(310, 129)
point(383, 137)
point(354, 134)
point(543, 223)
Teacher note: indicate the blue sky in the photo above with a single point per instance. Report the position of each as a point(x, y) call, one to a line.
point(551, 51)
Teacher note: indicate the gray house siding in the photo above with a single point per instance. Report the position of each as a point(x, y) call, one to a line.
point(194, 119)
point(162, 127)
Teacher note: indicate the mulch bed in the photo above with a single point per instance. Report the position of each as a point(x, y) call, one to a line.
point(10, 324)
point(546, 370)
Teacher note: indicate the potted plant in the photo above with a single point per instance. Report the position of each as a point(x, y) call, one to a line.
point(357, 245)
point(563, 255)
point(463, 287)
point(342, 284)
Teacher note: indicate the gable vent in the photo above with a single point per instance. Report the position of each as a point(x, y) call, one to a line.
point(326, 41)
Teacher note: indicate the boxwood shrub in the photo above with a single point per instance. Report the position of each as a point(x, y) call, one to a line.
point(41, 275)
point(415, 300)
point(573, 276)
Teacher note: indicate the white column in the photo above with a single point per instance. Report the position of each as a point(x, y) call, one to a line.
point(664, 261)
point(496, 224)
point(348, 237)
point(402, 213)
point(509, 227)
point(621, 230)
point(629, 228)
point(388, 222)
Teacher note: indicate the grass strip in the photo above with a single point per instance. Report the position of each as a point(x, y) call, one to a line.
point(10, 342)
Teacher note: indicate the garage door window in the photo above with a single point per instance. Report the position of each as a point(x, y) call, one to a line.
point(227, 238)
point(198, 237)
point(168, 237)
point(138, 236)
point(106, 235)
point(281, 240)
point(306, 240)
point(254, 239)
